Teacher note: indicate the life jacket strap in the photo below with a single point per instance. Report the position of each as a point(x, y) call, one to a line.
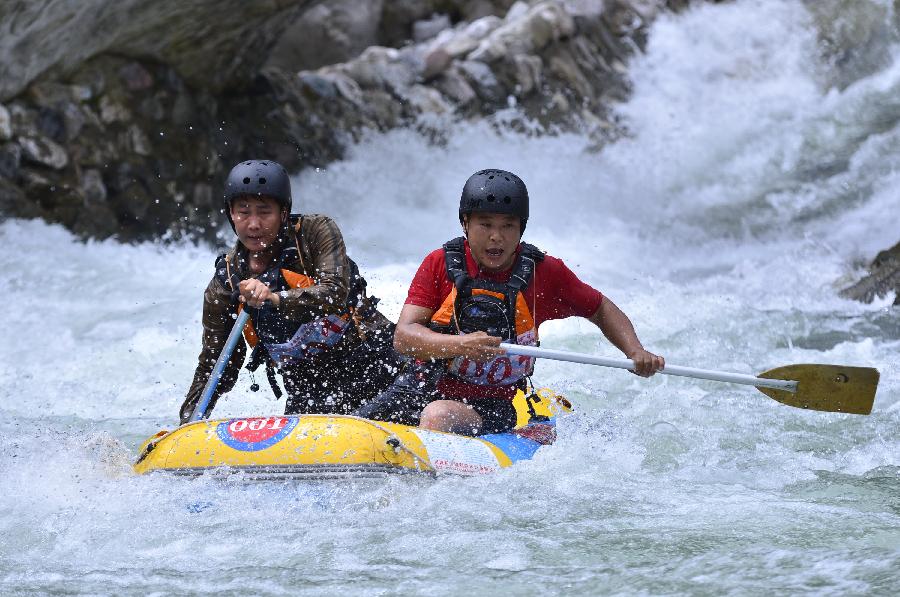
point(520, 277)
point(259, 356)
point(455, 261)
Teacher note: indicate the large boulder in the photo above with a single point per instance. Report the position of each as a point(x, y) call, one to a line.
point(883, 278)
point(210, 43)
point(328, 33)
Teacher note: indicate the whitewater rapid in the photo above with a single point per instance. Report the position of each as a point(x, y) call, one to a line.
point(746, 194)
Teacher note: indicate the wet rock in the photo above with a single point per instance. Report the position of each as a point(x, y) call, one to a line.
point(136, 77)
point(588, 57)
point(883, 278)
point(183, 109)
point(476, 9)
point(558, 104)
point(453, 85)
point(43, 151)
point(74, 119)
point(563, 65)
point(625, 18)
point(383, 110)
point(92, 187)
point(152, 108)
point(461, 43)
point(369, 68)
point(328, 33)
point(24, 120)
point(136, 141)
point(95, 149)
point(51, 94)
point(10, 161)
point(112, 111)
point(483, 81)
point(426, 100)
point(37, 185)
point(384, 68)
point(13, 201)
point(528, 70)
point(534, 30)
point(517, 10)
point(91, 76)
point(436, 62)
point(429, 28)
point(133, 202)
point(318, 85)
point(97, 221)
point(6, 131)
point(397, 18)
point(51, 124)
point(347, 88)
point(212, 44)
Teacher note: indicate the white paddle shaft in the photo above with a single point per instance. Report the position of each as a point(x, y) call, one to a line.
point(587, 359)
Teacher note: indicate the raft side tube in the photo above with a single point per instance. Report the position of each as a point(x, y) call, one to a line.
point(281, 441)
point(325, 446)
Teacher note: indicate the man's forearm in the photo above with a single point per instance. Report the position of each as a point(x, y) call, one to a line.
point(416, 340)
point(329, 295)
point(616, 326)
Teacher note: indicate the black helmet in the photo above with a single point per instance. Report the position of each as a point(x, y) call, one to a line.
point(496, 192)
point(260, 178)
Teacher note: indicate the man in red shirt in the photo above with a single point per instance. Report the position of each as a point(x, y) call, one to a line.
point(475, 293)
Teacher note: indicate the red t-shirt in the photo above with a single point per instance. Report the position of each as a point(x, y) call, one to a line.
point(554, 292)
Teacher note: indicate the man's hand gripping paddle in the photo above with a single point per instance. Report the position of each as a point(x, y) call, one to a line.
point(829, 388)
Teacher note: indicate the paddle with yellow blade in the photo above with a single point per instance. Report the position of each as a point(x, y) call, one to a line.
point(830, 388)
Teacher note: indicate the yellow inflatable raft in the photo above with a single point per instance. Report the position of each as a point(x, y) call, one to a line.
point(322, 446)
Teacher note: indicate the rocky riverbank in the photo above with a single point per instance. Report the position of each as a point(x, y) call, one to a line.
point(128, 132)
point(883, 277)
point(120, 119)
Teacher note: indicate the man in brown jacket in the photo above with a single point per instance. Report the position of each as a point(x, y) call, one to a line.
point(310, 316)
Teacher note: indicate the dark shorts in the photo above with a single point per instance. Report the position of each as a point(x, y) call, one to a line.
point(404, 400)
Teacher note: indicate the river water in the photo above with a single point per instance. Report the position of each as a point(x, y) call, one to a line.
point(748, 191)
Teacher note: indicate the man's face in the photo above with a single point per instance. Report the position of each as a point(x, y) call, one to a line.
point(257, 221)
point(493, 239)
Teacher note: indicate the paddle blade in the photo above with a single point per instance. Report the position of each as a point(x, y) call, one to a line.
point(831, 388)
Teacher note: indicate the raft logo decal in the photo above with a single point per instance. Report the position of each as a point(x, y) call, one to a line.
point(259, 433)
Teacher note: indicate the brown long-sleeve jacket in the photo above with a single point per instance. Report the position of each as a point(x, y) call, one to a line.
point(322, 256)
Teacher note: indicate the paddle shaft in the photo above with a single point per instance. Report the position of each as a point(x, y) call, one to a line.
point(576, 357)
point(216, 375)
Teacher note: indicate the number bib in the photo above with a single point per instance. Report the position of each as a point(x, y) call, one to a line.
point(501, 371)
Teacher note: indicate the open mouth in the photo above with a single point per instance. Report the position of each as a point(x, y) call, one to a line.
point(495, 253)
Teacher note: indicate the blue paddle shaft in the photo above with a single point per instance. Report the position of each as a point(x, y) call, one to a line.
point(216, 375)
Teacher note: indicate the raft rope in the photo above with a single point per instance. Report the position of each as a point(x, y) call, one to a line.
point(400, 445)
